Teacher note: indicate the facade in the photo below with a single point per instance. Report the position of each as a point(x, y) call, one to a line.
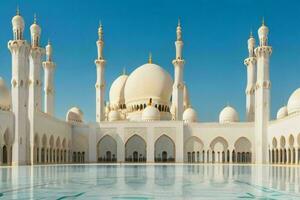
point(141, 122)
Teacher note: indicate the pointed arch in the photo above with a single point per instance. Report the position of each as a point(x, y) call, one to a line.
point(135, 149)
point(218, 145)
point(242, 148)
point(107, 149)
point(193, 145)
point(274, 142)
point(164, 149)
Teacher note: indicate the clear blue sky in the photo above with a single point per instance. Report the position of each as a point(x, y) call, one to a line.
point(215, 35)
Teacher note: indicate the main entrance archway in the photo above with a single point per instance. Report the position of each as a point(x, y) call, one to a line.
point(107, 149)
point(164, 149)
point(135, 149)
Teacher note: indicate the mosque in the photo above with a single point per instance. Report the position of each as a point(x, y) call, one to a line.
point(141, 122)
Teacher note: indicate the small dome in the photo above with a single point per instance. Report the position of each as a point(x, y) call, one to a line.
point(150, 113)
point(148, 81)
point(116, 92)
point(18, 22)
point(35, 29)
point(189, 115)
point(282, 112)
point(263, 31)
point(74, 115)
point(5, 98)
point(114, 115)
point(293, 105)
point(228, 115)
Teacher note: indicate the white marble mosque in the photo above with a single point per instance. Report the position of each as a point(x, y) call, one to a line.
point(141, 122)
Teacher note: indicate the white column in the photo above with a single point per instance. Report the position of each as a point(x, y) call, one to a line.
point(150, 145)
point(179, 144)
point(296, 154)
point(92, 149)
point(287, 156)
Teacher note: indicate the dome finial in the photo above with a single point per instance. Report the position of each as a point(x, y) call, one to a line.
point(263, 21)
point(34, 18)
point(124, 70)
point(49, 43)
point(100, 31)
point(18, 10)
point(150, 102)
point(251, 33)
point(150, 58)
point(178, 21)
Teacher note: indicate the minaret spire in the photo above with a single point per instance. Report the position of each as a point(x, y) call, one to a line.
point(150, 58)
point(100, 83)
point(49, 90)
point(34, 18)
point(250, 64)
point(178, 86)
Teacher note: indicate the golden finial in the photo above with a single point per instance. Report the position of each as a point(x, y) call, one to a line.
point(34, 18)
point(150, 102)
point(100, 24)
point(150, 58)
point(18, 10)
point(178, 21)
point(124, 70)
point(263, 21)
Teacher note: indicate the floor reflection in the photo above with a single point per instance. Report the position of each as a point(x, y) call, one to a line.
point(150, 181)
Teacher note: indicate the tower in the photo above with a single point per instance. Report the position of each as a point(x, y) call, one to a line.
point(100, 83)
point(250, 63)
point(35, 84)
point(262, 96)
point(19, 49)
point(178, 86)
point(49, 67)
point(35, 64)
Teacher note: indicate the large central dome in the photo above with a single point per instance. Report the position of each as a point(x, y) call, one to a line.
point(148, 81)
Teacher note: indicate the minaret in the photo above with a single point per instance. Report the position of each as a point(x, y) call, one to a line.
point(100, 83)
point(250, 63)
point(49, 67)
point(35, 64)
point(35, 84)
point(178, 87)
point(262, 96)
point(19, 49)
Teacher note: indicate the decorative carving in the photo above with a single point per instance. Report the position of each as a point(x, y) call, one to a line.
point(263, 51)
point(250, 60)
point(264, 85)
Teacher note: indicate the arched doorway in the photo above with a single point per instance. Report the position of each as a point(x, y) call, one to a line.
point(164, 149)
point(243, 149)
point(218, 146)
point(193, 148)
point(107, 149)
point(135, 149)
